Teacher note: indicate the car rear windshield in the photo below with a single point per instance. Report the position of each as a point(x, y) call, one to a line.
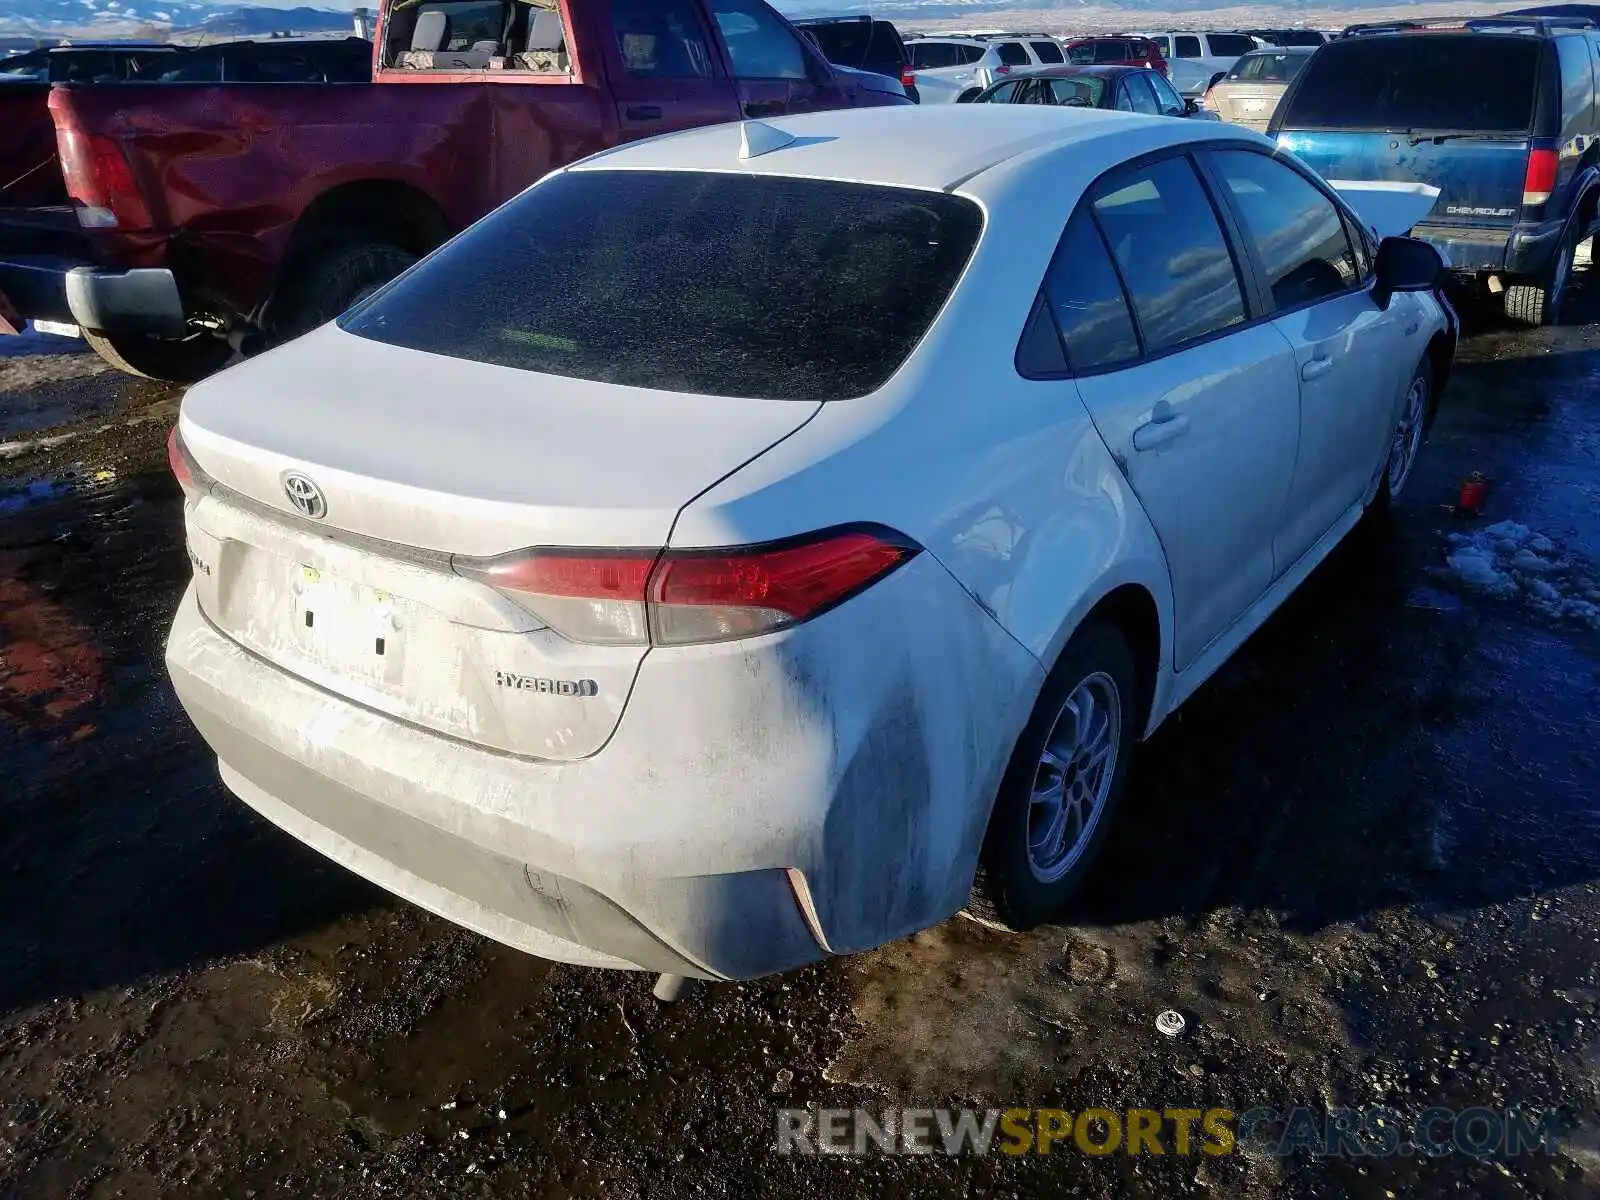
point(1269, 66)
point(719, 284)
point(1472, 82)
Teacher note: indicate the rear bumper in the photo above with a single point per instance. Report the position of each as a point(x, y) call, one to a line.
point(1523, 249)
point(737, 824)
point(49, 271)
point(142, 300)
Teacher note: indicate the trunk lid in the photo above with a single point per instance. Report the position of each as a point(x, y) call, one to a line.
point(418, 459)
point(1246, 102)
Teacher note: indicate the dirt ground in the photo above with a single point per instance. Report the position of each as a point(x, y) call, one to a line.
point(1362, 862)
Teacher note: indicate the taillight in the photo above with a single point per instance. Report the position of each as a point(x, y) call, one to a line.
point(185, 470)
point(908, 77)
point(1540, 180)
point(1002, 70)
point(676, 597)
point(98, 178)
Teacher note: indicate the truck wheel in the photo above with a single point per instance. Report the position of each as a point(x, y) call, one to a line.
point(1062, 786)
point(329, 280)
point(186, 361)
point(1536, 304)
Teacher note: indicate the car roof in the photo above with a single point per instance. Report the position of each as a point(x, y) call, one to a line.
point(936, 147)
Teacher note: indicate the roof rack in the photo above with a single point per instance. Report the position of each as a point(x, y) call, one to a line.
point(1506, 23)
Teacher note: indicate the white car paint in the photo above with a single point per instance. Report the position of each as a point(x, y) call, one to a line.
point(1192, 73)
point(946, 85)
point(731, 808)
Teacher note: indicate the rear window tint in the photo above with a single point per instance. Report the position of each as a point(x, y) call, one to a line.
point(1225, 45)
point(1087, 300)
point(1048, 52)
point(725, 285)
point(1475, 83)
point(1012, 54)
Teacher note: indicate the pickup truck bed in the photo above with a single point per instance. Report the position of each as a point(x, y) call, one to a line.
point(215, 217)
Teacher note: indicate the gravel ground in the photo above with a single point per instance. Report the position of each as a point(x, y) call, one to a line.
point(1363, 862)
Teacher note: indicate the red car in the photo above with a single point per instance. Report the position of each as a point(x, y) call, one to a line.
point(205, 216)
point(1118, 51)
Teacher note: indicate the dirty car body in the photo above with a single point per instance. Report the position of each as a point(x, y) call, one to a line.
point(696, 632)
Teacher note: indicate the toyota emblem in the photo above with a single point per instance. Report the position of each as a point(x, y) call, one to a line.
point(306, 496)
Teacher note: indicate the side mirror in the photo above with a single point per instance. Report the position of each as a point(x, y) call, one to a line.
point(1405, 265)
point(1190, 106)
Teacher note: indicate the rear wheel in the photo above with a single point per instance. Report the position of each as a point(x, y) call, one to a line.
point(184, 361)
point(327, 281)
point(1540, 304)
point(1063, 784)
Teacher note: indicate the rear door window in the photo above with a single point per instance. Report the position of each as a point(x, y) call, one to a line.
point(1110, 51)
point(711, 283)
point(1139, 95)
point(1163, 44)
point(969, 54)
point(1086, 300)
point(661, 39)
point(1012, 54)
point(1078, 91)
point(931, 56)
point(1188, 46)
point(1047, 52)
point(1081, 56)
point(1474, 83)
point(1296, 231)
point(1166, 241)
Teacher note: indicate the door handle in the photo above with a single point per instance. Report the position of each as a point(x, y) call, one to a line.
point(1163, 426)
point(765, 108)
point(642, 112)
point(1316, 368)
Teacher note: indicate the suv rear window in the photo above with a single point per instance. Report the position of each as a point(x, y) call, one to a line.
point(860, 44)
point(1224, 45)
point(721, 284)
point(1474, 83)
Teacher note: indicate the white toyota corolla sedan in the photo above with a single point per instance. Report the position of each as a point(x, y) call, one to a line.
point(731, 549)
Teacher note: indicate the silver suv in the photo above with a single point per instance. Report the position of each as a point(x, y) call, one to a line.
point(951, 69)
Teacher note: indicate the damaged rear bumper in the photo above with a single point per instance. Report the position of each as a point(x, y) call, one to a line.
point(142, 300)
point(737, 824)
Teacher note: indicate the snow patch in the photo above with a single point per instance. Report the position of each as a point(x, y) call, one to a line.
point(1509, 561)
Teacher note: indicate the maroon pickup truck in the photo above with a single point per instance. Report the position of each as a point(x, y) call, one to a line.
point(204, 219)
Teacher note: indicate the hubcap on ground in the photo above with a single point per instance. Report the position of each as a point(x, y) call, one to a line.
point(1407, 437)
point(1073, 779)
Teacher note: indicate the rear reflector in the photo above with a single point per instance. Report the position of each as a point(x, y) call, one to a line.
point(676, 597)
point(1540, 180)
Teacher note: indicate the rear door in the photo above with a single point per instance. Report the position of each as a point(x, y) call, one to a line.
point(1457, 111)
point(664, 68)
point(773, 70)
point(1195, 396)
point(1349, 353)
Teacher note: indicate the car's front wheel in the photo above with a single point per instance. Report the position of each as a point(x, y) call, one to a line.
point(1063, 784)
point(1410, 431)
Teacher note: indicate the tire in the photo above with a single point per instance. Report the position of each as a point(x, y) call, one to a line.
point(186, 361)
point(1410, 433)
point(327, 281)
point(1019, 883)
point(1540, 304)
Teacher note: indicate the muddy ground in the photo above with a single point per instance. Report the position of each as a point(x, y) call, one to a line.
point(1363, 862)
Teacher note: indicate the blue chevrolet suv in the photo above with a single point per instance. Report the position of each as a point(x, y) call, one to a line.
point(1498, 113)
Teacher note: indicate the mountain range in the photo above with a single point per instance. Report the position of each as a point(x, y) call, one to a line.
point(47, 20)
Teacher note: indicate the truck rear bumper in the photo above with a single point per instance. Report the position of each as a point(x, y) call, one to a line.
point(142, 300)
point(1523, 250)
